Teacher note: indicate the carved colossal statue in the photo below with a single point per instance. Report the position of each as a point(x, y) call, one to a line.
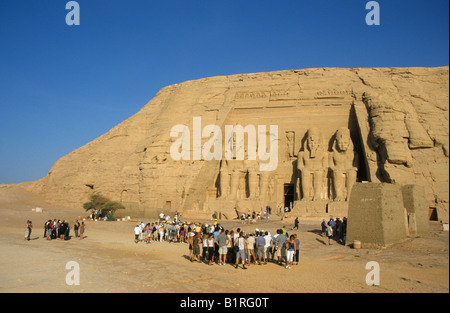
point(224, 180)
point(343, 163)
point(312, 163)
point(264, 180)
point(253, 180)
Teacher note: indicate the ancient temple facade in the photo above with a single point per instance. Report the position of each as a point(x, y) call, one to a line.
point(320, 155)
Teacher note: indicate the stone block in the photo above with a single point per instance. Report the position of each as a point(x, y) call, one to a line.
point(376, 215)
point(417, 209)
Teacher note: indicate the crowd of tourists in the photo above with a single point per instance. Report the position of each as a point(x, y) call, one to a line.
point(212, 244)
point(60, 229)
point(335, 229)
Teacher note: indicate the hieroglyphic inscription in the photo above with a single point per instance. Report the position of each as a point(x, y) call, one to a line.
point(334, 92)
point(260, 94)
point(251, 95)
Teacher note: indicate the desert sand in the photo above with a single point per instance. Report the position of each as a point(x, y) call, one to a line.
point(110, 261)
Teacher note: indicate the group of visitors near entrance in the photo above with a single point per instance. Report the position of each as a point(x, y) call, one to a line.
point(212, 244)
point(335, 229)
point(57, 229)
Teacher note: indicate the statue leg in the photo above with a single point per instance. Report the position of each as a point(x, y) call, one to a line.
point(318, 185)
point(305, 186)
point(338, 185)
point(235, 178)
point(224, 184)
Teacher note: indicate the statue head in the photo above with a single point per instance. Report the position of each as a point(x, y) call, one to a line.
point(313, 141)
point(343, 140)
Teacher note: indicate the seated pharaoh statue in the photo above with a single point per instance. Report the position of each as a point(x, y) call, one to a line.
point(312, 163)
point(343, 162)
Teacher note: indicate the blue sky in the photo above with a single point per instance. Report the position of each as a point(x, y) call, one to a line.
point(63, 86)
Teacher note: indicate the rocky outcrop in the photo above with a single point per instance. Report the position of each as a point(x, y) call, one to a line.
point(397, 119)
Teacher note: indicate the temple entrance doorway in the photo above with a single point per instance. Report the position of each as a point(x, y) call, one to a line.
point(289, 192)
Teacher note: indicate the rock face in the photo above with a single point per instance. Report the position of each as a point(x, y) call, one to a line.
point(334, 127)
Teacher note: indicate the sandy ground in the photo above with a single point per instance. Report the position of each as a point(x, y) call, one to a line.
point(110, 261)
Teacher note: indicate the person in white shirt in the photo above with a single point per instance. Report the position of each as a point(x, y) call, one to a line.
point(141, 235)
point(137, 233)
point(268, 240)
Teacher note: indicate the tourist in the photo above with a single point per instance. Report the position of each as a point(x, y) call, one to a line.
point(190, 241)
point(205, 245)
point(161, 232)
point(182, 231)
point(297, 246)
point(28, 228)
point(62, 230)
point(274, 246)
point(333, 225)
point(290, 251)
point(137, 233)
point(210, 243)
point(260, 242)
point(216, 234)
point(222, 241)
point(54, 228)
point(82, 229)
point(148, 233)
point(280, 242)
point(241, 250)
point(295, 223)
point(67, 229)
point(329, 232)
point(48, 227)
point(45, 228)
point(267, 245)
point(229, 246)
point(236, 234)
point(251, 248)
point(196, 247)
point(76, 227)
point(324, 228)
point(344, 230)
point(141, 234)
point(231, 253)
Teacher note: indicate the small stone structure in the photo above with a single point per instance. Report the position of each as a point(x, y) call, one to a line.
point(417, 210)
point(376, 215)
point(381, 214)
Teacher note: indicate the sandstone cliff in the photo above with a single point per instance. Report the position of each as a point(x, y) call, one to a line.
point(398, 118)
